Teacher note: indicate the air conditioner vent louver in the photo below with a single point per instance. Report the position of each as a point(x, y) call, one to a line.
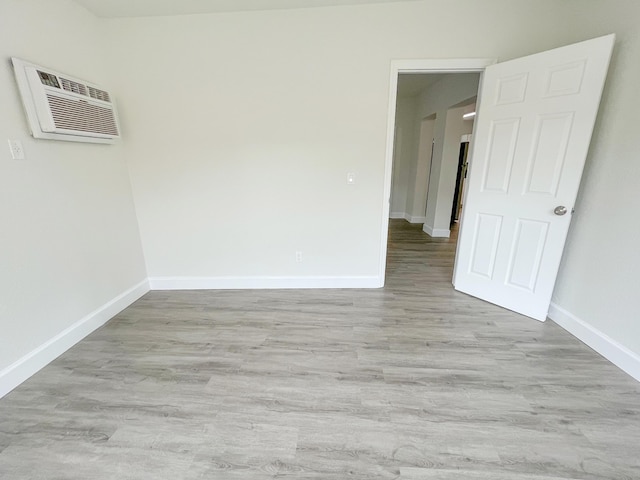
point(60, 107)
point(99, 94)
point(71, 86)
point(81, 116)
point(48, 79)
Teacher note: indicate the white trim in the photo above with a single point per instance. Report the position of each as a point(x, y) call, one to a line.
point(243, 283)
point(443, 65)
point(415, 219)
point(28, 365)
point(606, 346)
point(436, 232)
point(407, 217)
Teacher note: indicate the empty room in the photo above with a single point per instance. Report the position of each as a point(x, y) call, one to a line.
point(248, 266)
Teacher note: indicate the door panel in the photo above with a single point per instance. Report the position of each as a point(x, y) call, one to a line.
point(485, 244)
point(531, 137)
point(551, 136)
point(565, 79)
point(526, 254)
point(504, 135)
point(511, 89)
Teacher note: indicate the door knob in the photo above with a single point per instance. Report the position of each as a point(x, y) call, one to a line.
point(560, 210)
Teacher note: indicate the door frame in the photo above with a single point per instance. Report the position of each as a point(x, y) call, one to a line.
point(448, 65)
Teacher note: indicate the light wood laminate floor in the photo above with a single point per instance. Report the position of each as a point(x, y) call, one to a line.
point(412, 382)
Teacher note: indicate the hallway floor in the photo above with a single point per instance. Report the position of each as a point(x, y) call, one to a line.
point(413, 381)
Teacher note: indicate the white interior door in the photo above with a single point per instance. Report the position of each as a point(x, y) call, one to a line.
point(531, 138)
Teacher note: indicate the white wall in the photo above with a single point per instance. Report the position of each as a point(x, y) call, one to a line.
point(444, 173)
point(416, 206)
point(69, 238)
point(402, 187)
point(245, 126)
point(596, 292)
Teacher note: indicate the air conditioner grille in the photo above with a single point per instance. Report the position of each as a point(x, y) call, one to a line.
point(74, 87)
point(82, 116)
point(99, 94)
point(48, 79)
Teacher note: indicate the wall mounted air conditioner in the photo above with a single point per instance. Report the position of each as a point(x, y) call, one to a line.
point(60, 107)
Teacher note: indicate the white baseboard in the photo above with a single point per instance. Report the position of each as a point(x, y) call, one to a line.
point(436, 232)
point(606, 346)
point(243, 283)
point(23, 368)
point(407, 217)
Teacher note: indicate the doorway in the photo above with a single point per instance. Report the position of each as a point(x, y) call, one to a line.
point(427, 126)
point(432, 114)
point(461, 175)
point(423, 67)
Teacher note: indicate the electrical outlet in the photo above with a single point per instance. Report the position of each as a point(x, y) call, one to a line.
point(17, 152)
point(298, 257)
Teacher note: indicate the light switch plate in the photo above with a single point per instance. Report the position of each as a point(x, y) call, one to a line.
point(351, 178)
point(17, 152)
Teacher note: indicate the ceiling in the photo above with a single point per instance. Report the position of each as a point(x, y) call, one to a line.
point(152, 8)
point(412, 84)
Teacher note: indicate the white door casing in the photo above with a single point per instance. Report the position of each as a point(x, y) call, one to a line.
point(443, 65)
point(531, 137)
